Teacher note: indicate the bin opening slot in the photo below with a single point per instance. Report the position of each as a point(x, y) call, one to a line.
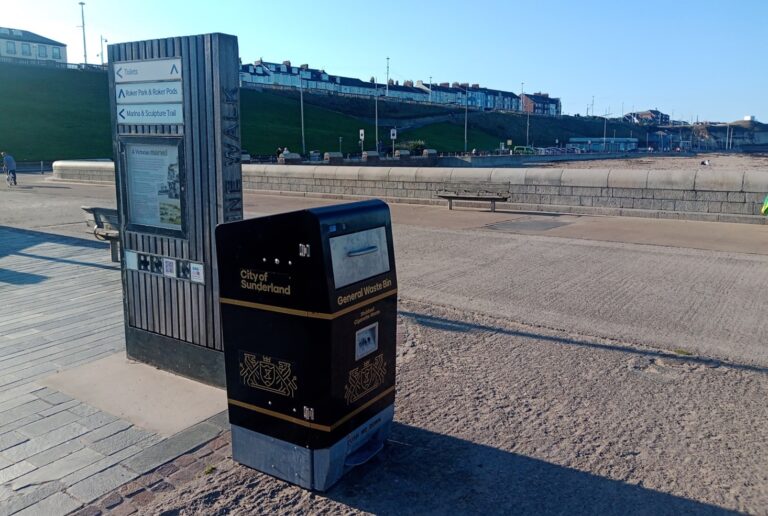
point(359, 256)
point(365, 250)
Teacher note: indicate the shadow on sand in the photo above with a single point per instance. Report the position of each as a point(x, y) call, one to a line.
point(441, 323)
point(422, 472)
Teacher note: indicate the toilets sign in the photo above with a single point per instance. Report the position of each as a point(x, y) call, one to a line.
point(143, 71)
point(149, 92)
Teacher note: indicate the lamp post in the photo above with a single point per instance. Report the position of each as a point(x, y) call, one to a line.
point(340, 139)
point(386, 94)
point(82, 18)
point(466, 115)
point(376, 111)
point(527, 126)
point(528, 117)
point(301, 98)
point(605, 127)
point(102, 40)
point(430, 88)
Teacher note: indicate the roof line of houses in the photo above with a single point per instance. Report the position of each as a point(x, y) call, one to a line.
point(24, 46)
point(286, 75)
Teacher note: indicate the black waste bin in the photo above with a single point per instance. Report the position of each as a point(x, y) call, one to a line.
point(309, 311)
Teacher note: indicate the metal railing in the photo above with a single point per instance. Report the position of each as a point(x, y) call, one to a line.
point(51, 64)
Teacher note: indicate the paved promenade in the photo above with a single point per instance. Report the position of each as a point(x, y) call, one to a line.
point(62, 308)
point(618, 361)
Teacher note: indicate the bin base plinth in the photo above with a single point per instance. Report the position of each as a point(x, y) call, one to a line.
point(312, 469)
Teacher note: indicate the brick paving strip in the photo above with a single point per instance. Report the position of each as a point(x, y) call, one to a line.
point(131, 497)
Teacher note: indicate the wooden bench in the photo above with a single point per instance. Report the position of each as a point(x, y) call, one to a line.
point(105, 226)
point(491, 197)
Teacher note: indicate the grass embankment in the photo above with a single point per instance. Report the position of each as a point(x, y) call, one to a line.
point(449, 137)
point(48, 113)
point(271, 119)
point(552, 131)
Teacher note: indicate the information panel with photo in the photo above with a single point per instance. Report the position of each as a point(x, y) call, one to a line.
point(154, 185)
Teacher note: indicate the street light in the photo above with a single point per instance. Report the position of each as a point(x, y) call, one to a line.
point(528, 117)
point(376, 110)
point(301, 97)
point(466, 114)
point(102, 40)
point(82, 17)
point(387, 86)
point(605, 127)
point(527, 126)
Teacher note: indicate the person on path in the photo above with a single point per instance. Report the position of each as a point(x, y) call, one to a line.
point(9, 165)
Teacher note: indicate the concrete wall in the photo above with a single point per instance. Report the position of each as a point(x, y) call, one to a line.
point(703, 194)
point(512, 160)
point(84, 171)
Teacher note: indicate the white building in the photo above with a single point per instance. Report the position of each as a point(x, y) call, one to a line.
point(24, 47)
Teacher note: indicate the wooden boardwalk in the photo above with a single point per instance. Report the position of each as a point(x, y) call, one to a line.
point(60, 304)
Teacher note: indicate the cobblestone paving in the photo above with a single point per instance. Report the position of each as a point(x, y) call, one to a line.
point(132, 497)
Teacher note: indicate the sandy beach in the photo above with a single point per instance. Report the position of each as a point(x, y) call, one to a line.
point(494, 417)
point(649, 161)
point(497, 416)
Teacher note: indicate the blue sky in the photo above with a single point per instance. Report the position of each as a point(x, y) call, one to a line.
point(702, 59)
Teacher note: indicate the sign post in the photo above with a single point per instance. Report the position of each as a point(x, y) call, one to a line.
point(176, 138)
point(393, 137)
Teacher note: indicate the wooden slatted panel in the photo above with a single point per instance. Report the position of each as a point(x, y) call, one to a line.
point(176, 308)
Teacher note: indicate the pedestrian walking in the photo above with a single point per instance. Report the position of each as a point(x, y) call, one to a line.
point(9, 166)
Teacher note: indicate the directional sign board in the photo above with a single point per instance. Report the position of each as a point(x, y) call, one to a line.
point(149, 92)
point(146, 92)
point(145, 71)
point(139, 114)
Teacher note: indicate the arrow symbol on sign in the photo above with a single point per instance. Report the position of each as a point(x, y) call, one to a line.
point(119, 72)
point(174, 69)
point(121, 94)
point(121, 114)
